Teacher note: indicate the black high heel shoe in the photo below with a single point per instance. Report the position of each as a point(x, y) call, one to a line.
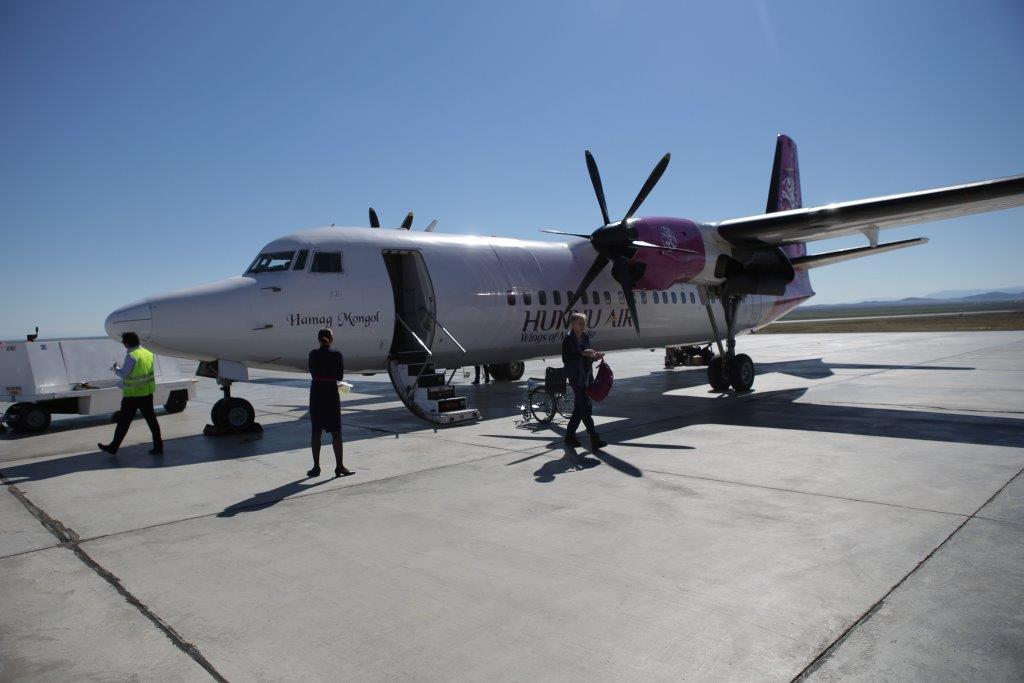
point(342, 472)
point(315, 472)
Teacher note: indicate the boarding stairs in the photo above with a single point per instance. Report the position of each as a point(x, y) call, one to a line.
point(422, 389)
point(424, 392)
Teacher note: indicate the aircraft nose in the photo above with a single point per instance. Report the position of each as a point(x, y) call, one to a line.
point(136, 317)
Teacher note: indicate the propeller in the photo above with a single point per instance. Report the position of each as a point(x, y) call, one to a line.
point(375, 222)
point(616, 243)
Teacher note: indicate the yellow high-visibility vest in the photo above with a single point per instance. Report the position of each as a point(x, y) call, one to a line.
point(141, 381)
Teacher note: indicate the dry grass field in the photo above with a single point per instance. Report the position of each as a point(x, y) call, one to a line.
point(952, 322)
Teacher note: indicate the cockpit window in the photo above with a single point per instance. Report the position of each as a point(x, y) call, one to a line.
point(272, 262)
point(326, 262)
point(300, 260)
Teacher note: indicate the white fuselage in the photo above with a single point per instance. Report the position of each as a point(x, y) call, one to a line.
point(496, 297)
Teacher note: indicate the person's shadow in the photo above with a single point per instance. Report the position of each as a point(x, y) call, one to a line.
point(266, 499)
point(569, 462)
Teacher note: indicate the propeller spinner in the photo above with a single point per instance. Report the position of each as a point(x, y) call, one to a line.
point(616, 243)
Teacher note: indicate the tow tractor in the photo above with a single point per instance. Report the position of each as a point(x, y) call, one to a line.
point(74, 376)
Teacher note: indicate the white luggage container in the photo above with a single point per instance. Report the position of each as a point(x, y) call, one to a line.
point(73, 376)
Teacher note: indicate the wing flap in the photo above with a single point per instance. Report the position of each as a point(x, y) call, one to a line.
point(835, 220)
point(827, 259)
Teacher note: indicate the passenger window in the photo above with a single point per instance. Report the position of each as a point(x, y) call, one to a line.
point(692, 300)
point(622, 297)
point(557, 296)
point(597, 298)
point(643, 297)
point(674, 297)
point(583, 297)
point(527, 299)
point(511, 297)
point(542, 297)
point(272, 262)
point(300, 260)
point(607, 298)
point(326, 262)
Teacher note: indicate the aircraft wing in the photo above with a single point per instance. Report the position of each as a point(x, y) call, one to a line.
point(868, 215)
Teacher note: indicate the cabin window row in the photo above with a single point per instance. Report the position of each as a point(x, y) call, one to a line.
point(280, 261)
point(597, 297)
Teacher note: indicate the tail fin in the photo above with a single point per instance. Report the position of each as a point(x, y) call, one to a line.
point(784, 194)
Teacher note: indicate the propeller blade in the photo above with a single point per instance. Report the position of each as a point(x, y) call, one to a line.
point(648, 245)
point(571, 234)
point(407, 223)
point(652, 180)
point(599, 263)
point(433, 224)
point(595, 179)
point(374, 221)
point(620, 271)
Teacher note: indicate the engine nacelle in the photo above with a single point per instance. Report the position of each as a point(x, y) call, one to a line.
point(760, 270)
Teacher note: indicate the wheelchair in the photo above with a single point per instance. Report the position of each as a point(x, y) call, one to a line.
point(545, 397)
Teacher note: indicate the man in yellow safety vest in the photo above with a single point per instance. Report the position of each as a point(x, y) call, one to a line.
point(138, 385)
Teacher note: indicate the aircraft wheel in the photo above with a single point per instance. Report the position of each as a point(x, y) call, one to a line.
point(236, 413)
point(717, 377)
point(741, 372)
point(176, 401)
point(27, 418)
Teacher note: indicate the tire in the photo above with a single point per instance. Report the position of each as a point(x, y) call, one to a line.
point(716, 374)
point(541, 404)
point(233, 413)
point(566, 403)
point(741, 372)
point(177, 401)
point(508, 372)
point(27, 418)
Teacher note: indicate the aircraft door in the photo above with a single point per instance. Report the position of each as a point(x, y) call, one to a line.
point(415, 304)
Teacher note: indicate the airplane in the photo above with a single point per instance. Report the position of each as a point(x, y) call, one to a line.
point(410, 302)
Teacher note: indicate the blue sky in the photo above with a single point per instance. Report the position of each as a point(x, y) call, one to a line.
point(153, 146)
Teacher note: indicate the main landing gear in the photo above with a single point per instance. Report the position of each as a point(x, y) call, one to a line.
point(231, 414)
point(728, 367)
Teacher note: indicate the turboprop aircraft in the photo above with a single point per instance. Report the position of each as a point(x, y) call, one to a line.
point(410, 301)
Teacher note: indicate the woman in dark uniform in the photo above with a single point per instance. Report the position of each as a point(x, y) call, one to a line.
point(327, 367)
point(578, 359)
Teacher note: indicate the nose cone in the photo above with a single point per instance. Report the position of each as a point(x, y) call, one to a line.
point(136, 317)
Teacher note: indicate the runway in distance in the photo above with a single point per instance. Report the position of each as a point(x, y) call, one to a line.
point(410, 301)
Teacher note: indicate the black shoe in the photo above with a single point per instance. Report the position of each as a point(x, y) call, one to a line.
point(107, 448)
point(315, 472)
point(571, 440)
point(342, 472)
point(596, 442)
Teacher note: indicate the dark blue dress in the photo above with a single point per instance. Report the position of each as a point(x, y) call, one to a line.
point(327, 368)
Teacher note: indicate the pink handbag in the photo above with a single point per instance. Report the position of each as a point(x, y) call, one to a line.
point(602, 383)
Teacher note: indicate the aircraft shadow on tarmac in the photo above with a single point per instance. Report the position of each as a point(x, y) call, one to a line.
point(630, 402)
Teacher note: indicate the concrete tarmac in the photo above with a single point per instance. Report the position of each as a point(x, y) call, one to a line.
point(858, 515)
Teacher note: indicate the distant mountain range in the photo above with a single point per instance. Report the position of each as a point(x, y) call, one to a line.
point(953, 296)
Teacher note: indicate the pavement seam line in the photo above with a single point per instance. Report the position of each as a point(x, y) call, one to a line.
point(806, 493)
point(827, 653)
point(71, 540)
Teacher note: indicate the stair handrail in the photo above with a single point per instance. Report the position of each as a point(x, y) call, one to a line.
point(423, 366)
point(445, 330)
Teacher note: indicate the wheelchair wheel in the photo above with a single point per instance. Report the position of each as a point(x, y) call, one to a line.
point(566, 403)
point(541, 404)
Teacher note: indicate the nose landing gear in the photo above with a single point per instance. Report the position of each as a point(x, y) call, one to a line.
point(728, 367)
point(231, 415)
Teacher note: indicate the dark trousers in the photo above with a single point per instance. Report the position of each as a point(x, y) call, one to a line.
point(487, 374)
point(581, 411)
point(129, 404)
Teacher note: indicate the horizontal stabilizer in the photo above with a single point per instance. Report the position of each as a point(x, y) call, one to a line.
point(828, 258)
